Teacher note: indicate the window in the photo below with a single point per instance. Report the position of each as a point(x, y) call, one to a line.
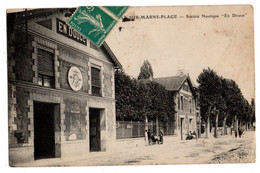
point(178, 103)
point(95, 81)
point(190, 106)
point(181, 102)
point(186, 88)
point(45, 68)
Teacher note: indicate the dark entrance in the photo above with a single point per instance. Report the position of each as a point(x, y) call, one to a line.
point(182, 120)
point(94, 130)
point(44, 130)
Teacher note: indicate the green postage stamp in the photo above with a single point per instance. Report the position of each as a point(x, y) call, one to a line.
point(94, 23)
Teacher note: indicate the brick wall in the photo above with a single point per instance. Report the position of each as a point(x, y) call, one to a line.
point(23, 58)
point(21, 120)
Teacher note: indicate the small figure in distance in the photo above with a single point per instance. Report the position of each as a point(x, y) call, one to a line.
point(146, 137)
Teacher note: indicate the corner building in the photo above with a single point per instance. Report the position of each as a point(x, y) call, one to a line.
point(61, 96)
point(185, 99)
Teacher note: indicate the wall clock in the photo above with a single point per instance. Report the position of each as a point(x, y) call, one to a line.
point(75, 78)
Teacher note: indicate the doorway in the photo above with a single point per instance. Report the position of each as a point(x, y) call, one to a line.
point(182, 120)
point(94, 130)
point(44, 130)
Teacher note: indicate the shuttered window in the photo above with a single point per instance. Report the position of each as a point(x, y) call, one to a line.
point(95, 81)
point(45, 63)
point(45, 68)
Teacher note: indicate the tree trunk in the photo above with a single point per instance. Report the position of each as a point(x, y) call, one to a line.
point(241, 124)
point(225, 124)
point(207, 126)
point(146, 123)
point(232, 126)
point(157, 126)
point(216, 126)
point(208, 121)
point(236, 126)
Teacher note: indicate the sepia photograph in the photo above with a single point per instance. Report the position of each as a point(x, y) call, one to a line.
point(137, 85)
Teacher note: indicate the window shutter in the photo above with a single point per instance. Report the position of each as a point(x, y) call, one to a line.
point(95, 77)
point(95, 81)
point(45, 63)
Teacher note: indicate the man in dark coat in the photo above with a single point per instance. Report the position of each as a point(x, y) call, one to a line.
point(149, 137)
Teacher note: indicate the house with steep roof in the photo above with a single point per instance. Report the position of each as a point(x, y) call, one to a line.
point(185, 97)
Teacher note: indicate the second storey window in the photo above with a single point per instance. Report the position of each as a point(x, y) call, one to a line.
point(178, 103)
point(181, 102)
point(95, 81)
point(45, 68)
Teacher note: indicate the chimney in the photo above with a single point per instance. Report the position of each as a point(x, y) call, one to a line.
point(181, 72)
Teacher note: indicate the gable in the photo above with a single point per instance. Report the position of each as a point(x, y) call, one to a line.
point(51, 23)
point(46, 23)
point(187, 86)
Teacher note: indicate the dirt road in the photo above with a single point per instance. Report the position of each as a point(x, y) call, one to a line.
point(225, 149)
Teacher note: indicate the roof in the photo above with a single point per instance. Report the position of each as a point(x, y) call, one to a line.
point(111, 55)
point(171, 83)
point(174, 83)
point(35, 13)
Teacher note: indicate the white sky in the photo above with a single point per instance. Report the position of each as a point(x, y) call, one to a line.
point(223, 44)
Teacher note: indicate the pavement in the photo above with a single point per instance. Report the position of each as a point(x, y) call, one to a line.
point(173, 151)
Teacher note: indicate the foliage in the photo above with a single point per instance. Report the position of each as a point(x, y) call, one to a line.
point(224, 95)
point(146, 70)
point(210, 92)
point(136, 99)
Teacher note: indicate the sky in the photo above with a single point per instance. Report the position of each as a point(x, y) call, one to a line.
point(225, 44)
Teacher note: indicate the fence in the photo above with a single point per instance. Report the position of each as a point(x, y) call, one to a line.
point(132, 129)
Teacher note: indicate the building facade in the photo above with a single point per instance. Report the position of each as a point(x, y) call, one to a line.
point(61, 97)
point(185, 98)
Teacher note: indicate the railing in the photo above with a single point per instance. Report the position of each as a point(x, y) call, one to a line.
point(136, 129)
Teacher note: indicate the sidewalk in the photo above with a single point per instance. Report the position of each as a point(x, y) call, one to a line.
point(121, 146)
point(134, 151)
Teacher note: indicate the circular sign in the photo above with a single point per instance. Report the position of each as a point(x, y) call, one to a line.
point(75, 78)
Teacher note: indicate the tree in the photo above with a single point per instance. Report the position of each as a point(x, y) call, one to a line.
point(212, 102)
point(139, 100)
point(223, 99)
point(146, 71)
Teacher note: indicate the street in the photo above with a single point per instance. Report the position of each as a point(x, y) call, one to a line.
point(225, 149)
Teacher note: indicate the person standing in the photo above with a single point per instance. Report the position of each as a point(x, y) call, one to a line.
point(161, 135)
point(149, 137)
point(146, 137)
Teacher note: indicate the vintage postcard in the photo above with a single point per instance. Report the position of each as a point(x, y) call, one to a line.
point(148, 86)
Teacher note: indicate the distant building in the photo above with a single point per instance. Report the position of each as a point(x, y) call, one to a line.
point(187, 117)
point(61, 96)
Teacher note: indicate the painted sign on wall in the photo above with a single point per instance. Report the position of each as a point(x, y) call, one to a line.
point(67, 31)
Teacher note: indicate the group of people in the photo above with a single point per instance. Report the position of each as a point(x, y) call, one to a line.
point(191, 135)
point(152, 138)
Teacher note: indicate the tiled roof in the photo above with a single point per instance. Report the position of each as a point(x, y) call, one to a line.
point(171, 83)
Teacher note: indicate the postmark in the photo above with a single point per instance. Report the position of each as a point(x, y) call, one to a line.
point(93, 23)
point(118, 11)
